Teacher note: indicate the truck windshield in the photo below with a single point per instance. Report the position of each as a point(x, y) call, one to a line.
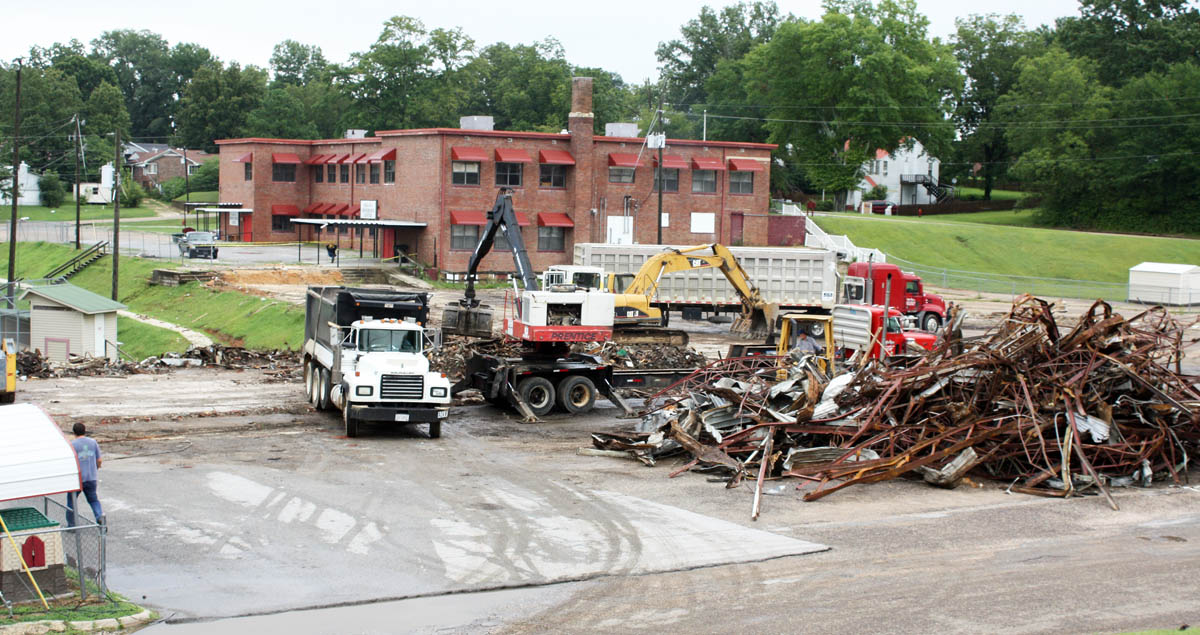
point(587, 280)
point(893, 325)
point(623, 282)
point(913, 287)
point(385, 341)
point(200, 237)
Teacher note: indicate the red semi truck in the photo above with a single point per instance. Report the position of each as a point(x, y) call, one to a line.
point(885, 284)
point(857, 326)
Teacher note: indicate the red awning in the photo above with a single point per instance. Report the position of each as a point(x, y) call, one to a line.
point(285, 157)
point(353, 211)
point(468, 217)
point(335, 158)
point(382, 155)
point(512, 155)
point(320, 158)
point(245, 158)
point(321, 208)
point(463, 153)
point(745, 165)
point(285, 210)
point(522, 219)
point(555, 157)
point(672, 162)
point(338, 209)
point(358, 158)
point(555, 219)
point(707, 163)
point(622, 160)
point(312, 208)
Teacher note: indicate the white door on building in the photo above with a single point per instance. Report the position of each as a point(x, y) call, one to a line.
point(98, 320)
point(620, 230)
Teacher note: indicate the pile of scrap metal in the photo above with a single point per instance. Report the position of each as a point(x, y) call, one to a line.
point(1103, 405)
point(644, 356)
point(280, 365)
point(34, 364)
point(452, 357)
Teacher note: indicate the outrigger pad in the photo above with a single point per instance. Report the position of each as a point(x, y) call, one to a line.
point(471, 322)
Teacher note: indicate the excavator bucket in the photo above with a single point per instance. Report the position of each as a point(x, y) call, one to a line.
point(759, 322)
point(471, 322)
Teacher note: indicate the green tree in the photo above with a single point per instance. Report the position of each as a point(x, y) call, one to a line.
point(862, 78)
point(525, 87)
point(282, 114)
point(49, 102)
point(105, 112)
point(217, 103)
point(141, 62)
point(296, 64)
point(132, 194)
point(50, 190)
point(1129, 38)
point(89, 73)
point(988, 48)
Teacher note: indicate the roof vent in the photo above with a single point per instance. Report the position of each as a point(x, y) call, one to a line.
point(620, 130)
point(477, 122)
point(356, 133)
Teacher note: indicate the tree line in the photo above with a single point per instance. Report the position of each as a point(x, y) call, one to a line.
point(1093, 114)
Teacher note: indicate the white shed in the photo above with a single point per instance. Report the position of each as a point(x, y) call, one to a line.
point(68, 320)
point(1164, 283)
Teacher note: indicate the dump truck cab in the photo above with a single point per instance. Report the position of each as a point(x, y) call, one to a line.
point(383, 366)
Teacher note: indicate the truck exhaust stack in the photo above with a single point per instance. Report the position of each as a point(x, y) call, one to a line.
point(469, 321)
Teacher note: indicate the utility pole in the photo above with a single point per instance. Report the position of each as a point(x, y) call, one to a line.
point(78, 149)
point(187, 183)
point(116, 246)
point(704, 135)
point(662, 131)
point(16, 173)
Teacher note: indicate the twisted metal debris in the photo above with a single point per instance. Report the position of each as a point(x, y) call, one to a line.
point(1103, 405)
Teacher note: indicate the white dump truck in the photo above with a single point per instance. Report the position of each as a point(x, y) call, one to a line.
point(365, 353)
point(795, 278)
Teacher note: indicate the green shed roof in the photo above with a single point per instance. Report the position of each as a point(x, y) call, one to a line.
point(75, 297)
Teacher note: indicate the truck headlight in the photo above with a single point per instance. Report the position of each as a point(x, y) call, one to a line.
point(364, 391)
point(437, 392)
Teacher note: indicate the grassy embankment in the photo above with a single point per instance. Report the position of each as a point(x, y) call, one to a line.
point(966, 242)
point(997, 195)
point(200, 197)
point(228, 317)
point(66, 212)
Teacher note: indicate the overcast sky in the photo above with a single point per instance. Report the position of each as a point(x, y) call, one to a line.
point(618, 35)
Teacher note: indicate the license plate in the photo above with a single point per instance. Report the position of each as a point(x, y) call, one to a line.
point(442, 414)
point(402, 417)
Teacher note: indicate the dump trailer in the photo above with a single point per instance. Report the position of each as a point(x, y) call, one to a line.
point(365, 353)
point(794, 278)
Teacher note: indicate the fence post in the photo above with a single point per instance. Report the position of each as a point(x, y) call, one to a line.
point(79, 556)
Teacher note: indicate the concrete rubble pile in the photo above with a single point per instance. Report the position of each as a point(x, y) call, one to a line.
point(1049, 412)
point(278, 365)
point(644, 356)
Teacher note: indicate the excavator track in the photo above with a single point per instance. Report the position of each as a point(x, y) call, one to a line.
point(649, 335)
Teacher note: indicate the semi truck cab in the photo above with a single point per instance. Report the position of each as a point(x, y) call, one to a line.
point(867, 283)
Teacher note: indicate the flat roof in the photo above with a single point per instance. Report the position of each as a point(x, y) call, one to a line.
point(546, 136)
point(375, 223)
point(1164, 267)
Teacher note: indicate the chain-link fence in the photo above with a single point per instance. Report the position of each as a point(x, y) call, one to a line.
point(133, 242)
point(65, 553)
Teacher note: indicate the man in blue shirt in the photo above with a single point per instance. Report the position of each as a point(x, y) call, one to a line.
point(87, 453)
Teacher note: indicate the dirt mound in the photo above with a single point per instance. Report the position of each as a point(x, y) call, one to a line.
point(297, 276)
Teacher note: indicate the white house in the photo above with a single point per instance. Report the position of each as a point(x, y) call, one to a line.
point(97, 193)
point(28, 192)
point(907, 173)
point(1164, 283)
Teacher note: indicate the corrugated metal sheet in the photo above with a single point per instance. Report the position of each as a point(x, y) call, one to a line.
point(75, 297)
point(35, 458)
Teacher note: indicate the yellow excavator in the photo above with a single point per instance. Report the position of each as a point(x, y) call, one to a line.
point(636, 318)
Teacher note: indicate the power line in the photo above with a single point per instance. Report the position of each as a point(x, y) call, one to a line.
point(1025, 125)
point(926, 106)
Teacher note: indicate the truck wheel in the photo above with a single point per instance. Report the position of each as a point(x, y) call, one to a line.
point(931, 322)
point(351, 422)
point(576, 394)
point(435, 430)
point(8, 397)
point(309, 391)
point(323, 390)
point(215, 254)
point(538, 392)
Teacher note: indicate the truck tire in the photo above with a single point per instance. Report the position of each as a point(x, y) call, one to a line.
point(931, 322)
point(309, 390)
point(435, 430)
point(576, 394)
point(538, 392)
point(8, 397)
point(215, 254)
point(350, 422)
point(323, 390)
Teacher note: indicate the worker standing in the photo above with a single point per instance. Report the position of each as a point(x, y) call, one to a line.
point(87, 453)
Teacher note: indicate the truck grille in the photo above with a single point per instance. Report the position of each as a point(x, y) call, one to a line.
point(402, 387)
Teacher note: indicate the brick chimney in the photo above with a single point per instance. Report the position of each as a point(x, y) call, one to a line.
point(580, 122)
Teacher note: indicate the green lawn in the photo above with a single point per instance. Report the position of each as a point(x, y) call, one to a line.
point(939, 241)
point(66, 212)
point(227, 316)
point(200, 197)
point(140, 340)
point(69, 609)
point(154, 226)
point(997, 195)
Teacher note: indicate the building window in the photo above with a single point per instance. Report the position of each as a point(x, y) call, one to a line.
point(360, 174)
point(670, 180)
point(501, 242)
point(741, 182)
point(464, 237)
point(151, 168)
point(331, 173)
point(620, 175)
point(344, 172)
point(283, 172)
point(464, 173)
point(389, 171)
point(192, 169)
point(550, 239)
point(509, 174)
point(281, 223)
point(552, 176)
point(704, 223)
point(704, 181)
point(248, 170)
point(374, 174)
point(318, 174)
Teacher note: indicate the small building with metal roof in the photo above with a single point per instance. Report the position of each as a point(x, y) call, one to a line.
point(67, 320)
point(1166, 283)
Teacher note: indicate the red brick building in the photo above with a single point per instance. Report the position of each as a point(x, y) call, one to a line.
point(568, 188)
point(151, 170)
